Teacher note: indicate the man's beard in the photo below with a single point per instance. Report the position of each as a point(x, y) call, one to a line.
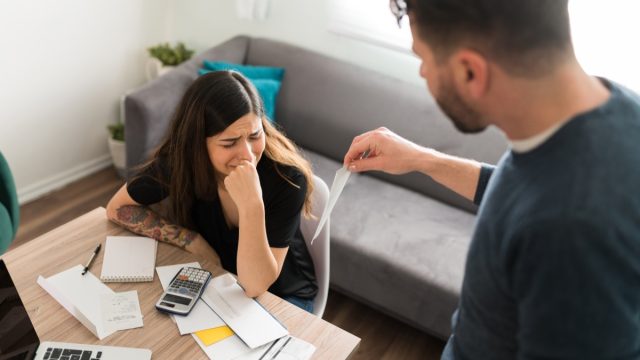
point(463, 117)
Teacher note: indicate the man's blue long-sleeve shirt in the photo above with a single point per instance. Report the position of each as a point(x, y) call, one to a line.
point(553, 270)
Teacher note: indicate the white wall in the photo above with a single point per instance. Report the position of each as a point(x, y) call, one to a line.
point(204, 23)
point(63, 66)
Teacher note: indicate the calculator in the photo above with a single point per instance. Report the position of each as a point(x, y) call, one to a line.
point(184, 291)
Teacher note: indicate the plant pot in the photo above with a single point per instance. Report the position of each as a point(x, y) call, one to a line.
point(154, 68)
point(165, 69)
point(118, 152)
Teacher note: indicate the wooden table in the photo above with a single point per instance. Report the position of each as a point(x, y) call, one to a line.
point(71, 244)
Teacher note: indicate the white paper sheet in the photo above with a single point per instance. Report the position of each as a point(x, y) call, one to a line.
point(80, 295)
point(248, 319)
point(339, 181)
point(227, 349)
point(286, 348)
point(201, 316)
point(121, 311)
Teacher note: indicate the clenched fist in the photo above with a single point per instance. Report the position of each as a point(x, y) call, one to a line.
point(243, 185)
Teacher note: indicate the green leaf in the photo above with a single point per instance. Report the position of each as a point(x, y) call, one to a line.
point(117, 131)
point(170, 56)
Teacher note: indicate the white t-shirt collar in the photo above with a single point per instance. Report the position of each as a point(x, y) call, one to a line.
point(526, 145)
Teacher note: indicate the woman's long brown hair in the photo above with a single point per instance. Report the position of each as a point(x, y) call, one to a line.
point(212, 103)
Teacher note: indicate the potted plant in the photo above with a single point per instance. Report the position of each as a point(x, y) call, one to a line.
point(117, 147)
point(163, 57)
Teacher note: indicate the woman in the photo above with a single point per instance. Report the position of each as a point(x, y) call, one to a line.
point(235, 185)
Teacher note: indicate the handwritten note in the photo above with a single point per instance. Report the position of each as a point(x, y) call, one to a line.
point(121, 311)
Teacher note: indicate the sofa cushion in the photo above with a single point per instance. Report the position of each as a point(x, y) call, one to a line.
point(397, 250)
point(267, 88)
point(250, 71)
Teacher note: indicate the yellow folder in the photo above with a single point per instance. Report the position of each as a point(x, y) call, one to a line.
point(213, 335)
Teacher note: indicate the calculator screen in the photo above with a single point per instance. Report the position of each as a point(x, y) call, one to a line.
point(177, 299)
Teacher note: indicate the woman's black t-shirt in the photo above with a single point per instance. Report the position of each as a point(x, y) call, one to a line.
point(282, 204)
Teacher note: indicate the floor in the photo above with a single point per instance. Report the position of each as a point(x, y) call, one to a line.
point(382, 337)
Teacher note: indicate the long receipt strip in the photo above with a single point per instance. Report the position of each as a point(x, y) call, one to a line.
point(339, 181)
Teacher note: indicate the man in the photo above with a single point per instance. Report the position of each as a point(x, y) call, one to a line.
point(553, 269)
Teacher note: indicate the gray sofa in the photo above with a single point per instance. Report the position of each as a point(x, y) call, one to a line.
point(398, 243)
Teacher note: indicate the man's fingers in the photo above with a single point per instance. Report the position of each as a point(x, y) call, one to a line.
point(363, 143)
point(355, 152)
point(368, 164)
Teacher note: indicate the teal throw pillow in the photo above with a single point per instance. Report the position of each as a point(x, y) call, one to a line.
point(250, 71)
point(267, 88)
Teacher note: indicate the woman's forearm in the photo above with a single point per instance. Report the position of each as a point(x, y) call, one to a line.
point(144, 221)
point(256, 264)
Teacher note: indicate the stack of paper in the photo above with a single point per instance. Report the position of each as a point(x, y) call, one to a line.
point(95, 305)
point(287, 348)
point(248, 319)
point(248, 330)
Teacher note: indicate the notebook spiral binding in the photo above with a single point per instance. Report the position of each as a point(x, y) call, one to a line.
point(126, 278)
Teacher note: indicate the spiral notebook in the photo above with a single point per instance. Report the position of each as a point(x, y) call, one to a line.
point(129, 259)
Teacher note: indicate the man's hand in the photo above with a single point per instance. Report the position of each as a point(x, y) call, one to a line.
point(393, 154)
point(388, 152)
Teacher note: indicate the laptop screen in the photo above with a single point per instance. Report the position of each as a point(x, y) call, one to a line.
point(18, 338)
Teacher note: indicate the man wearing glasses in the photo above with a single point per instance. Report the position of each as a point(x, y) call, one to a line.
point(553, 269)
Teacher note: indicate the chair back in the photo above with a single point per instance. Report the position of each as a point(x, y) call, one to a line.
point(9, 207)
point(319, 251)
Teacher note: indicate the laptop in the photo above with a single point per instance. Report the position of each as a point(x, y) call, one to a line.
point(18, 338)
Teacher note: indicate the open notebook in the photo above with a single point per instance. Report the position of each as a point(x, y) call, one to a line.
point(129, 259)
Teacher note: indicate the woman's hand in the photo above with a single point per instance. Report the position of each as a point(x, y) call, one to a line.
point(243, 186)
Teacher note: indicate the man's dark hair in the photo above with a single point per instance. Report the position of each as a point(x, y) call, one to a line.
point(523, 36)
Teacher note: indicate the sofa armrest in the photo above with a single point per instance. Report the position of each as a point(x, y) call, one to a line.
point(148, 111)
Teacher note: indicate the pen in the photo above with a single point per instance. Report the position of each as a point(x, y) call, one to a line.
point(95, 252)
point(365, 154)
point(282, 347)
point(269, 349)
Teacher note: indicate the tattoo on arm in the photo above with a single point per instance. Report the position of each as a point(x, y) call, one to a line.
point(144, 221)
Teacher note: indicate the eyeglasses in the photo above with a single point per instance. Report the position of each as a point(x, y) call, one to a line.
point(398, 9)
